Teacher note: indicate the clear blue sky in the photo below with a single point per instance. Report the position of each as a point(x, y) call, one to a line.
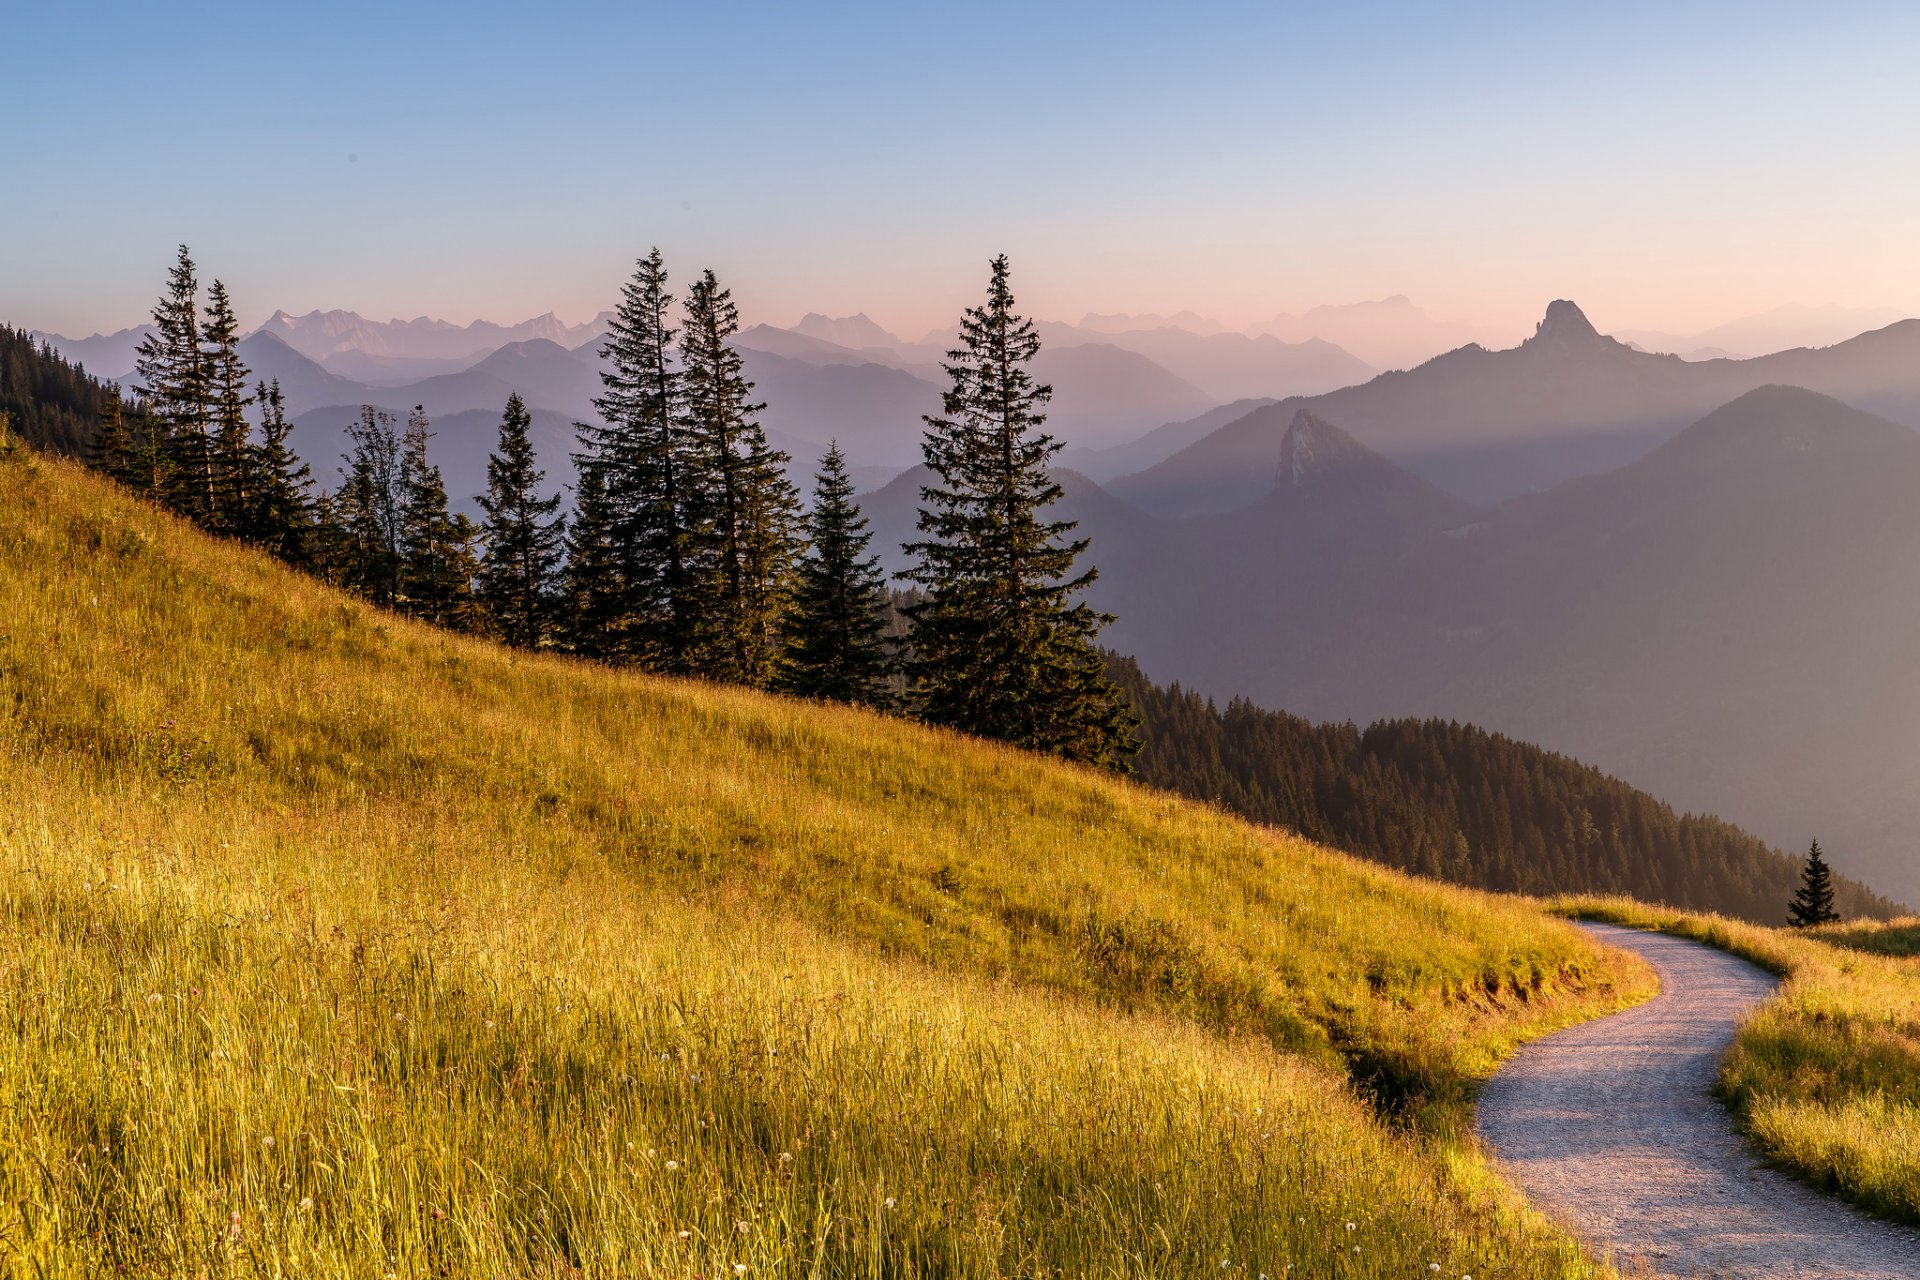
point(1667, 165)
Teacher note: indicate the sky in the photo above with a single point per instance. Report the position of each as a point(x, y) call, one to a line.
point(1667, 166)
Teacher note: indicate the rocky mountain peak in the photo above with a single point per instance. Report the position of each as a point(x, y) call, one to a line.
point(1314, 448)
point(1564, 325)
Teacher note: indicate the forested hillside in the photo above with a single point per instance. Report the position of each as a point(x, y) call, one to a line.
point(1432, 797)
point(53, 405)
point(1450, 800)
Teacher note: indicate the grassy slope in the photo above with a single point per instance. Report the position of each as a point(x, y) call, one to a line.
point(1826, 1078)
point(335, 945)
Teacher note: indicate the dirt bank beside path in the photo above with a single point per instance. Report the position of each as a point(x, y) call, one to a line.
point(1611, 1127)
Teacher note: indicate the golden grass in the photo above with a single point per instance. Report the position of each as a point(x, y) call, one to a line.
point(336, 945)
point(1825, 1078)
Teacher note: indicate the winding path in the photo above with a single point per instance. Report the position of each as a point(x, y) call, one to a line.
point(1611, 1128)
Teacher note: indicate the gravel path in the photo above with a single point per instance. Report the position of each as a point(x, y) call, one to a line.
point(1611, 1128)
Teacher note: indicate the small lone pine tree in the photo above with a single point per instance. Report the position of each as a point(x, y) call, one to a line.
point(1002, 648)
point(838, 647)
point(1813, 901)
point(523, 536)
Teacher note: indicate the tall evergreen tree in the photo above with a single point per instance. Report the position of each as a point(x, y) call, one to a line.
point(330, 550)
point(594, 589)
point(113, 451)
point(230, 460)
point(1813, 902)
point(653, 613)
point(280, 516)
point(437, 562)
point(367, 510)
point(749, 511)
point(837, 627)
point(173, 387)
point(1002, 648)
point(523, 535)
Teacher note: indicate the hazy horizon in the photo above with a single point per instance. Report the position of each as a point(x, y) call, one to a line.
point(1667, 171)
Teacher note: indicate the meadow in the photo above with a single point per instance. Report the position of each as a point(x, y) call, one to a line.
point(335, 945)
point(1825, 1078)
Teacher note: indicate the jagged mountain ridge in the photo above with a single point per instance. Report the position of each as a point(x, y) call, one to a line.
point(1490, 425)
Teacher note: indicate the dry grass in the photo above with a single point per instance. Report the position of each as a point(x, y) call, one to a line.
point(335, 945)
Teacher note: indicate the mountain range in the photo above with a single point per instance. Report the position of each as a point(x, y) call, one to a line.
point(870, 398)
point(1491, 425)
point(1693, 574)
point(1728, 621)
point(1781, 329)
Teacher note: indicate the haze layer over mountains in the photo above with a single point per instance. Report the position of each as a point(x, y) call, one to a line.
point(1692, 570)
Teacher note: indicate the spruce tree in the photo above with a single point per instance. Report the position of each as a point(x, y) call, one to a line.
point(1813, 901)
point(523, 537)
point(593, 590)
point(367, 510)
point(1002, 648)
point(172, 377)
point(838, 625)
point(649, 603)
point(329, 547)
point(113, 452)
point(748, 510)
point(281, 514)
point(229, 459)
point(436, 547)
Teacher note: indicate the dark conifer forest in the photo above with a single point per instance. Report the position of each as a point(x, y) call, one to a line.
point(1458, 803)
point(53, 405)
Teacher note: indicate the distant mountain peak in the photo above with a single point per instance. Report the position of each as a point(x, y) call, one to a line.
point(854, 332)
point(1314, 448)
point(1565, 325)
point(1782, 422)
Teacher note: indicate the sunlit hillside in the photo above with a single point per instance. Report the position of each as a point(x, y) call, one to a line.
point(337, 946)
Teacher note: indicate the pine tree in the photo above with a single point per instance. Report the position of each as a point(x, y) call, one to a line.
point(113, 452)
point(437, 563)
point(1813, 902)
point(749, 511)
point(367, 510)
point(594, 587)
point(229, 454)
point(329, 547)
point(837, 628)
point(523, 537)
point(280, 516)
point(651, 609)
point(1002, 648)
point(177, 461)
